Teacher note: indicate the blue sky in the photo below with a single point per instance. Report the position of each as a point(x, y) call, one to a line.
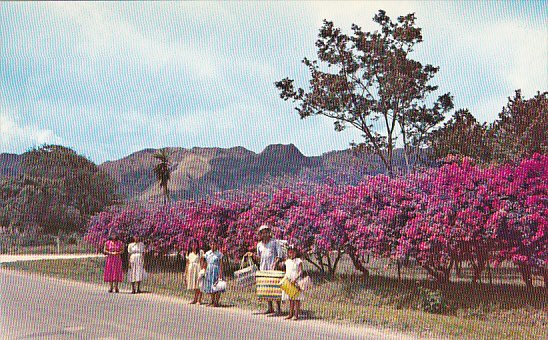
point(109, 79)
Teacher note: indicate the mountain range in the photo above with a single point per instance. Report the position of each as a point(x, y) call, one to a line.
point(198, 172)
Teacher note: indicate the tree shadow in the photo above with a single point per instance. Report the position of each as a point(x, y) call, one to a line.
point(307, 314)
point(164, 263)
point(408, 293)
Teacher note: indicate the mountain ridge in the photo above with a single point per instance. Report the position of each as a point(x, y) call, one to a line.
point(202, 171)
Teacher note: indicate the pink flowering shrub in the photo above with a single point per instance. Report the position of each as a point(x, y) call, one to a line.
point(521, 222)
point(441, 217)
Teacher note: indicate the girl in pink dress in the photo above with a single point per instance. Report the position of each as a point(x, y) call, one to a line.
point(113, 266)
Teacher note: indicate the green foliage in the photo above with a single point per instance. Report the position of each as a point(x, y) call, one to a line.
point(461, 135)
point(433, 301)
point(162, 171)
point(522, 128)
point(520, 131)
point(368, 78)
point(56, 192)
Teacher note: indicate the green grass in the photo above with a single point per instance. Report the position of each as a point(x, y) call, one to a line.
point(503, 310)
point(79, 247)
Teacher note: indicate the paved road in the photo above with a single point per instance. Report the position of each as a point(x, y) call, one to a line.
point(36, 307)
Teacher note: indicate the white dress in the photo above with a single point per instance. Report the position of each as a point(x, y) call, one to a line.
point(291, 273)
point(193, 270)
point(136, 271)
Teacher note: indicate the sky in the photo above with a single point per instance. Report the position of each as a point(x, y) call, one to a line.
point(108, 79)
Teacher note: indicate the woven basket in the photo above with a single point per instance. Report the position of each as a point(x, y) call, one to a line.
point(268, 284)
point(245, 276)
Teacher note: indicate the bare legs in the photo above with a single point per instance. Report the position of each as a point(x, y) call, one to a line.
point(114, 286)
point(294, 309)
point(215, 297)
point(133, 284)
point(297, 309)
point(271, 307)
point(197, 297)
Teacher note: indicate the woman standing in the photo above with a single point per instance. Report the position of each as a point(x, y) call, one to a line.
point(136, 270)
point(113, 267)
point(214, 272)
point(194, 258)
point(269, 255)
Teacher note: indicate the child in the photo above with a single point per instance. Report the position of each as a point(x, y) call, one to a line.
point(293, 271)
point(194, 259)
point(213, 272)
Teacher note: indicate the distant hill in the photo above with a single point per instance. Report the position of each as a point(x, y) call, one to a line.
point(10, 164)
point(198, 172)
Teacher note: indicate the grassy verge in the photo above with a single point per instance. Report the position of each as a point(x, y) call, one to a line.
point(80, 247)
point(499, 311)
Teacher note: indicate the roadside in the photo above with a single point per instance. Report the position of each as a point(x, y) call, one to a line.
point(109, 315)
point(382, 303)
point(37, 257)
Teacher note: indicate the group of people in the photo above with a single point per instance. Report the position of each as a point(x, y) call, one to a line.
point(114, 273)
point(203, 270)
point(269, 256)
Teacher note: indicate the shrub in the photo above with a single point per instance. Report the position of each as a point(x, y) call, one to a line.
point(433, 301)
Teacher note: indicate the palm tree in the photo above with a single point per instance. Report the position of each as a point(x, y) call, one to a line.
point(162, 171)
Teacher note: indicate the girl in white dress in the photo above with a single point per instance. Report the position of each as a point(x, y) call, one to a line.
point(136, 271)
point(293, 271)
point(194, 258)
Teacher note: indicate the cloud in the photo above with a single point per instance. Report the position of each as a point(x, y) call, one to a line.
point(18, 138)
point(113, 78)
point(104, 33)
point(488, 60)
point(522, 64)
point(485, 51)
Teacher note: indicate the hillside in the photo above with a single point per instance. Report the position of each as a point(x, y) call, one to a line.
point(198, 172)
point(10, 164)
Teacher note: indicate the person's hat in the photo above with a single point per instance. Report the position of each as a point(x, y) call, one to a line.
point(264, 227)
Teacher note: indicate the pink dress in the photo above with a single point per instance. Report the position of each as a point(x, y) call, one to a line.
point(113, 266)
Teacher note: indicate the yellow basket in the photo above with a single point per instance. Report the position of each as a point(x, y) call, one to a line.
point(289, 288)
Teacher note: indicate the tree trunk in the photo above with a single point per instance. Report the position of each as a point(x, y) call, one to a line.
point(307, 258)
point(337, 259)
point(320, 262)
point(406, 152)
point(489, 274)
point(441, 275)
point(358, 265)
point(390, 165)
point(329, 266)
point(526, 274)
point(458, 269)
